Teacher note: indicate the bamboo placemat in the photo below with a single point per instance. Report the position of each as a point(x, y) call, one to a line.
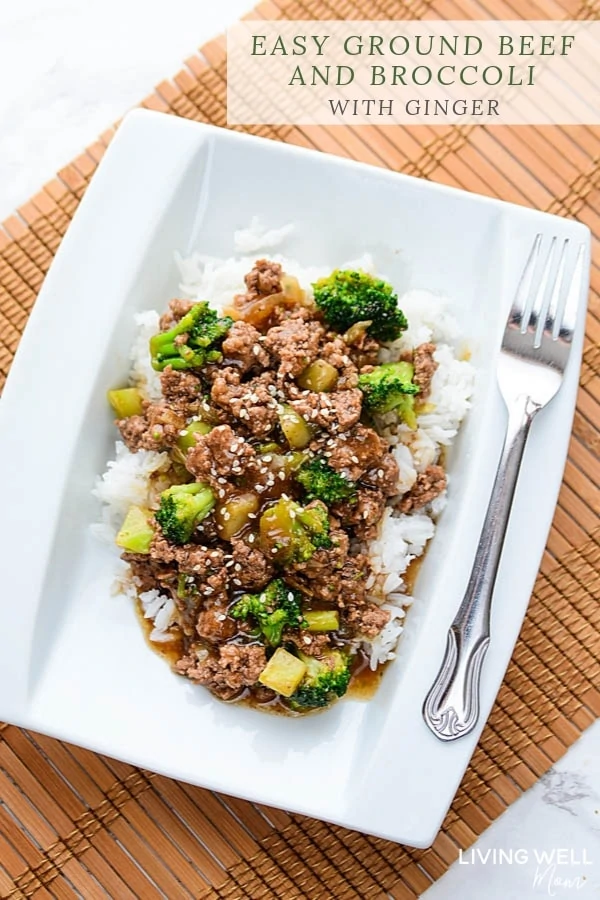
point(76, 824)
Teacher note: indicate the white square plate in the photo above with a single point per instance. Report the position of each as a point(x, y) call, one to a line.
point(74, 663)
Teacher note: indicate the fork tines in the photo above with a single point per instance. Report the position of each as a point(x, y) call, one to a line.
point(546, 300)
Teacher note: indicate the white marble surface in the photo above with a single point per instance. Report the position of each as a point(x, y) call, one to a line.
point(68, 69)
point(545, 844)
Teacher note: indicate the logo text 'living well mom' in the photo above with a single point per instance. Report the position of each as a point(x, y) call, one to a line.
point(549, 864)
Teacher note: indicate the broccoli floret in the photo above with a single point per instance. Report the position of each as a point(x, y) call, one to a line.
point(347, 297)
point(290, 533)
point(326, 678)
point(389, 387)
point(275, 608)
point(205, 332)
point(321, 482)
point(315, 519)
point(181, 508)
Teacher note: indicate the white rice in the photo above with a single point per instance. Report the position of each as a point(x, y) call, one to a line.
point(158, 607)
point(136, 478)
point(131, 479)
point(143, 376)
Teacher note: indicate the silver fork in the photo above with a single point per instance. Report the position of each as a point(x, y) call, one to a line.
point(533, 357)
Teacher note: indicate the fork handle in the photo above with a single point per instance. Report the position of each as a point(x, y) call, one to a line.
point(451, 708)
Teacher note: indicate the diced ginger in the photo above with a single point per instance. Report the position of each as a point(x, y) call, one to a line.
point(136, 531)
point(283, 673)
point(126, 402)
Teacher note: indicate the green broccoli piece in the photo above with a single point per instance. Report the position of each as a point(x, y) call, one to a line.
point(347, 297)
point(326, 678)
point(315, 519)
point(181, 508)
point(205, 332)
point(290, 533)
point(321, 482)
point(390, 387)
point(275, 608)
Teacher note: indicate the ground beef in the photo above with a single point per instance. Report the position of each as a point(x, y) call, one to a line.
point(264, 279)
point(255, 570)
point(151, 574)
point(219, 454)
point(204, 563)
point(355, 452)
point(336, 412)
point(427, 487)
point(305, 313)
point(385, 476)
point(328, 560)
point(164, 421)
point(134, 431)
point(181, 390)
point(341, 586)
point(425, 366)
point(236, 666)
point(252, 403)
point(353, 580)
point(364, 515)
point(248, 392)
point(244, 346)
point(336, 353)
point(206, 576)
point(294, 344)
point(364, 352)
point(307, 642)
point(176, 311)
point(157, 429)
point(367, 619)
point(213, 623)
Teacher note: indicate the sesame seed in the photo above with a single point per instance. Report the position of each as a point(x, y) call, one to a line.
point(256, 349)
point(307, 640)
point(221, 617)
point(251, 538)
point(237, 582)
point(237, 568)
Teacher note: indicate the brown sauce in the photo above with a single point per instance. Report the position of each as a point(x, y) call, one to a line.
point(171, 651)
point(363, 684)
point(364, 681)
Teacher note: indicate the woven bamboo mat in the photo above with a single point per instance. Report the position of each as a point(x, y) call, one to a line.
point(76, 824)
